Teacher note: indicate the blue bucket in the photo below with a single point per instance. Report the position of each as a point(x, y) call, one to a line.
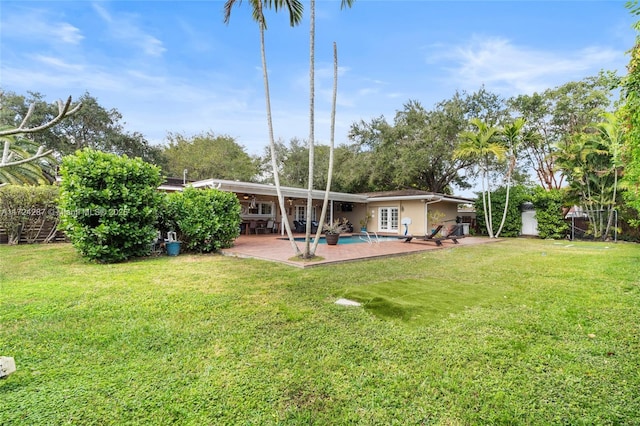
point(173, 248)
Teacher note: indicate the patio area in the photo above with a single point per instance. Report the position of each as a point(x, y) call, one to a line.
point(277, 248)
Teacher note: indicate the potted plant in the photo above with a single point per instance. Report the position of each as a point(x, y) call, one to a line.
point(332, 232)
point(364, 222)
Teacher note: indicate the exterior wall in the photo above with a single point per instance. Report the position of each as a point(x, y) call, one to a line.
point(416, 211)
point(247, 215)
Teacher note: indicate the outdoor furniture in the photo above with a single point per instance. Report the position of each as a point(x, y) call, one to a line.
point(269, 227)
point(252, 227)
point(431, 237)
point(299, 226)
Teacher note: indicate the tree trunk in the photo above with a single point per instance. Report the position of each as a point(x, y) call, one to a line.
point(272, 145)
point(312, 88)
point(331, 145)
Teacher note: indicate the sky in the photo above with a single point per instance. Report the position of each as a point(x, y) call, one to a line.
point(175, 66)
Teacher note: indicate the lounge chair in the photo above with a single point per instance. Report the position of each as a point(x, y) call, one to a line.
point(431, 237)
point(455, 233)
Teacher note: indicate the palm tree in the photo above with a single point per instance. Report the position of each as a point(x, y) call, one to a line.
point(308, 253)
point(512, 137)
point(611, 136)
point(295, 16)
point(24, 162)
point(482, 146)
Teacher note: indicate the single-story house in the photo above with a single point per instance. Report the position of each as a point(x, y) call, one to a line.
point(390, 212)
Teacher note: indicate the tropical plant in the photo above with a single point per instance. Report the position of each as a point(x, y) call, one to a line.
point(109, 204)
point(22, 161)
point(483, 146)
point(25, 162)
point(630, 115)
point(336, 227)
point(295, 15)
point(512, 135)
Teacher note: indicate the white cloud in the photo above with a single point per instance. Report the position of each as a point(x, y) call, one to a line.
point(58, 63)
point(122, 27)
point(499, 63)
point(33, 24)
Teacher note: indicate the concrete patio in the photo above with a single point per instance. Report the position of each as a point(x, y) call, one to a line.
point(277, 248)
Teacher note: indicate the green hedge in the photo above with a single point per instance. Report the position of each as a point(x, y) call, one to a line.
point(24, 209)
point(109, 204)
point(205, 220)
point(548, 205)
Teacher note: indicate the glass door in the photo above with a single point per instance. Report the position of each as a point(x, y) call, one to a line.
point(388, 219)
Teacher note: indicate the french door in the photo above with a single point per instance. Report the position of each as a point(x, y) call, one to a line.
point(388, 219)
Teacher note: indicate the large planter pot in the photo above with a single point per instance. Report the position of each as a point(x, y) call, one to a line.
point(332, 239)
point(173, 248)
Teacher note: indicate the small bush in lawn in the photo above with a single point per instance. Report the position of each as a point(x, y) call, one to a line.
point(205, 220)
point(109, 204)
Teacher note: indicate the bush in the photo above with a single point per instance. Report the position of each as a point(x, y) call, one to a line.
point(109, 204)
point(205, 220)
point(25, 209)
point(548, 205)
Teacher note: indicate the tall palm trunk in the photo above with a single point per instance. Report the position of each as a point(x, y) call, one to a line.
point(325, 203)
point(312, 89)
point(512, 163)
point(272, 144)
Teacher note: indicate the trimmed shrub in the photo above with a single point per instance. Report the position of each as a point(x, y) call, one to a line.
point(205, 220)
point(25, 209)
point(548, 205)
point(109, 204)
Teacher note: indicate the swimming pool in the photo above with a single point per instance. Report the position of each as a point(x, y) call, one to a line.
point(353, 239)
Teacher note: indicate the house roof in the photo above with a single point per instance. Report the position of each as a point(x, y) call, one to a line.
point(414, 194)
point(291, 192)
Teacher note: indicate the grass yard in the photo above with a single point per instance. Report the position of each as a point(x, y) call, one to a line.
point(518, 332)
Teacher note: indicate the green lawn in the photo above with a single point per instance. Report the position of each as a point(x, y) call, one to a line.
point(516, 332)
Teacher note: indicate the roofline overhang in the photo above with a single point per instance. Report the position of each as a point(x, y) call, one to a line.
point(422, 197)
point(270, 190)
point(291, 192)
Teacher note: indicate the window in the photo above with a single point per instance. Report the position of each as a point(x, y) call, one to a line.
point(301, 213)
point(263, 208)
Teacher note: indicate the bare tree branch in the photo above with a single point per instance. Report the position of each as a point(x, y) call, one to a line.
point(64, 110)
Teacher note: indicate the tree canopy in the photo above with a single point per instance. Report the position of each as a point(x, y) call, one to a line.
point(206, 156)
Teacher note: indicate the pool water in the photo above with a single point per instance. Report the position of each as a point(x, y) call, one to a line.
point(352, 239)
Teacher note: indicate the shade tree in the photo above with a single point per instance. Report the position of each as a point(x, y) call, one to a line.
point(207, 155)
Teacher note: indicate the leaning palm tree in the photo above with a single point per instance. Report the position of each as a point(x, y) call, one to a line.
point(295, 16)
point(482, 146)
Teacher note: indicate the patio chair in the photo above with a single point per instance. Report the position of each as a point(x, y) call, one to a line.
point(269, 227)
point(299, 226)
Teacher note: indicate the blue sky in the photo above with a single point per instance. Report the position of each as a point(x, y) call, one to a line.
point(174, 66)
